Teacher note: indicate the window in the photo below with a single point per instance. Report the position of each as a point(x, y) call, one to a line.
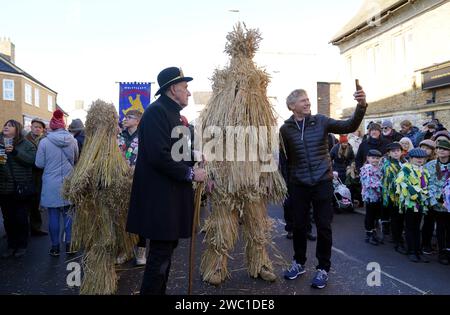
point(50, 103)
point(8, 90)
point(36, 98)
point(28, 94)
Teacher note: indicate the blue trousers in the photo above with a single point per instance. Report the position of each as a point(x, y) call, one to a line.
point(54, 215)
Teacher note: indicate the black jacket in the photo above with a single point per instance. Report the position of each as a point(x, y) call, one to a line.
point(369, 144)
point(308, 158)
point(340, 164)
point(395, 136)
point(162, 199)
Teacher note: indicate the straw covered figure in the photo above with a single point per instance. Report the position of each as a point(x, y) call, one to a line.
point(243, 187)
point(100, 189)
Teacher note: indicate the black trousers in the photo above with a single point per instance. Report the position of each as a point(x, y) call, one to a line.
point(320, 195)
point(289, 219)
point(428, 228)
point(412, 231)
point(397, 224)
point(15, 220)
point(373, 213)
point(35, 213)
point(158, 267)
point(443, 230)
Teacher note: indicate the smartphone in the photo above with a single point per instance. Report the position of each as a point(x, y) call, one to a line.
point(358, 87)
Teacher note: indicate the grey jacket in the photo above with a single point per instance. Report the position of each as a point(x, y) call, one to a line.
point(56, 154)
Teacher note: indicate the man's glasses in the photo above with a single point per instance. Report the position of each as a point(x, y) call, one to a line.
point(130, 117)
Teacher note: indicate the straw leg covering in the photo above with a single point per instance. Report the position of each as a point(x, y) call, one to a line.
point(256, 232)
point(221, 235)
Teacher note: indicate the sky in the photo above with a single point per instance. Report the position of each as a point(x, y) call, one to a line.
point(81, 48)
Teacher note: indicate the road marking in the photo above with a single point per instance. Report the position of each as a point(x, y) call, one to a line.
point(382, 272)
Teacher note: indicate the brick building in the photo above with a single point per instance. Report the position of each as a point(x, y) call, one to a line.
point(22, 97)
point(400, 51)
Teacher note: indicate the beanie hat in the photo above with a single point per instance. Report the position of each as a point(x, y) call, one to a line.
point(343, 139)
point(57, 121)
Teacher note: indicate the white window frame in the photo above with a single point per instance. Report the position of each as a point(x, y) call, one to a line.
point(37, 98)
point(6, 90)
point(50, 103)
point(28, 94)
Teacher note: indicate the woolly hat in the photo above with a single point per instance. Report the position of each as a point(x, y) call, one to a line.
point(417, 153)
point(386, 124)
point(343, 139)
point(57, 121)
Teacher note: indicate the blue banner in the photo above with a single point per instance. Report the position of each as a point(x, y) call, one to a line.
point(133, 96)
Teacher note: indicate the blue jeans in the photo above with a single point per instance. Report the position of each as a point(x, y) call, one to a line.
point(53, 224)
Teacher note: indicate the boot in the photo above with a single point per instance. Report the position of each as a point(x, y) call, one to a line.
point(400, 248)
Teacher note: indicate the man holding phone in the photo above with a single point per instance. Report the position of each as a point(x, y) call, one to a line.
point(305, 138)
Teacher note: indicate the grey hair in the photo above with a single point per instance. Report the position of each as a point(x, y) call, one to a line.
point(294, 96)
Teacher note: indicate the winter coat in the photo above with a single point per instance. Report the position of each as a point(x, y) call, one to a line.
point(340, 164)
point(390, 170)
point(128, 145)
point(57, 153)
point(162, 198)
point(369, 144)
point(306, 144)
point(21, 161)
point(412, 188)
point(394, 136)
point(37, 172)
point(436, 185)
point(371, 183)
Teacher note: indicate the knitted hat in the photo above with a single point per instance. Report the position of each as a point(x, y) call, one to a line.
point(375, 153)
point(429, 143)
point(417, 153)
point(76, 125)
point(343, 139)
point(393, 146)
point(386, 124)
point(57, 121)
point(443, 144)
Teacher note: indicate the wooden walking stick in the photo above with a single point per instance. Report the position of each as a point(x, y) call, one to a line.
point(195, 223)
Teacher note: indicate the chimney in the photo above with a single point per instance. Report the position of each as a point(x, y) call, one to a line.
point(8, 49)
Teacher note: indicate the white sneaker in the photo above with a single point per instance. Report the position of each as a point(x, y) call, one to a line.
point(140, 254)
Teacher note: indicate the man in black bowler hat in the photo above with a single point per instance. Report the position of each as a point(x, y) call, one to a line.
point(162, 198)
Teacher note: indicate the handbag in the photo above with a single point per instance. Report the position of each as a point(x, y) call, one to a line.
point(21, 190)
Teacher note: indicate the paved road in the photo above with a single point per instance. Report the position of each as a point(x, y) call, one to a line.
point(39, 273)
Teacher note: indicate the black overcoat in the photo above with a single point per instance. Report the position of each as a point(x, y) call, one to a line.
point(162, 198)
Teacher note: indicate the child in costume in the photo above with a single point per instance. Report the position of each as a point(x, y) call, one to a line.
point(412, 188)
point(370, 175)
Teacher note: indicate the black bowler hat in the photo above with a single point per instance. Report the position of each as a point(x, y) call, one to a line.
point(170, 76)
